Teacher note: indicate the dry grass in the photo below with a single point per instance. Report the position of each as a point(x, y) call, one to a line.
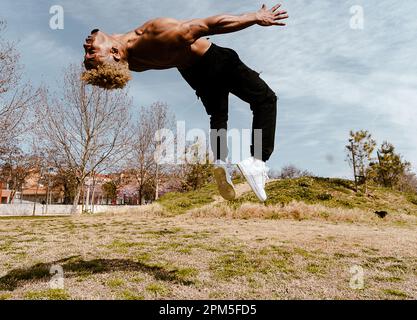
point(297, 210)
point(149, 255)
point(300, 245)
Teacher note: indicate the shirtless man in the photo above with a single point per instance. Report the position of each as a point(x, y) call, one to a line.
point(212, 71)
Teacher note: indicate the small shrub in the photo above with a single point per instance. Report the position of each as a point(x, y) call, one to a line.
point(129, 295)
point(324, 196)
point(305, 182)
point(115, 283)
point(184, 203)
point(157, 289)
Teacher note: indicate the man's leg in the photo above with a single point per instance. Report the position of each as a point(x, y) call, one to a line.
point(217, 105)
point(248, 86)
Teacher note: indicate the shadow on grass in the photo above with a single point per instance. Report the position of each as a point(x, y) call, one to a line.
point(75, 266)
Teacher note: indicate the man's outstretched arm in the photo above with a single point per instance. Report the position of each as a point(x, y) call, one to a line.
point(194, 29)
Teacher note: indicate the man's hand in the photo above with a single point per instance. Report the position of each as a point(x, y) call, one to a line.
point(271, 17)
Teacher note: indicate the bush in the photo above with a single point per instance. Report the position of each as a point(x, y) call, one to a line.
point(325, 196)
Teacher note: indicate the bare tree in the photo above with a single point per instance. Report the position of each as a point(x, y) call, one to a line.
point(86, 129)
point(16, 166)
point(16, 97)
point(162, 119)
point(292, 172)
point(142, 151)
point(143, 154)
point(407, 182)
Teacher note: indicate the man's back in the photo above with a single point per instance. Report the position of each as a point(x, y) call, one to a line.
point(160, 46)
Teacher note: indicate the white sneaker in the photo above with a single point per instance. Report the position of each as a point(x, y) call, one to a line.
point(255, 173)
point(224, 181)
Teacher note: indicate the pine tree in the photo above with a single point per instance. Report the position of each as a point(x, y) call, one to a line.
point(390, 167)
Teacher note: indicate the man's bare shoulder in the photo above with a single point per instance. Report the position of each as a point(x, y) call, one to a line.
point(159, 24)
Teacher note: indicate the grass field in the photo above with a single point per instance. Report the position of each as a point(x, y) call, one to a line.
point(300, 245)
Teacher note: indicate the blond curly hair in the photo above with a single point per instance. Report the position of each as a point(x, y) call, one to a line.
point(108, 75)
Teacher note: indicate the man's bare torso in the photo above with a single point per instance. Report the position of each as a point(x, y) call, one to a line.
point(158, 47)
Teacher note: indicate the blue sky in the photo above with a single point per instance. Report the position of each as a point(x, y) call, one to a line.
point(329, 78)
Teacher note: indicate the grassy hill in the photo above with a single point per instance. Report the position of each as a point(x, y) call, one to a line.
point(314, 192)
point(336, 193)
point(180, 202)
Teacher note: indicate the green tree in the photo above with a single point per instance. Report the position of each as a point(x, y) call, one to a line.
point(65, 180)
point(197, 170)
point(390, 168)
point(359, 155)
point(109, 189)
point(197, 176)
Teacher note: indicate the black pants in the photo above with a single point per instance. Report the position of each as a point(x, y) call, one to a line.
point(220, 72)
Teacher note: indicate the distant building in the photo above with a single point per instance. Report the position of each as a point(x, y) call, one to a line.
point(4, 194)
point(34, 191)
point(127, 192)
point(44, 189)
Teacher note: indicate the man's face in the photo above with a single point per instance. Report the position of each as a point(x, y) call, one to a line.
point(98, 49)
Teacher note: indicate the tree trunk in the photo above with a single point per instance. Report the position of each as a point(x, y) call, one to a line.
point(36, 199)
point(92, 197)
point(366, 184)
point(74, 209)
point(384, 180)
point(157, 183)
point(140, 196)
point(354, 167)
point(12, 195)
